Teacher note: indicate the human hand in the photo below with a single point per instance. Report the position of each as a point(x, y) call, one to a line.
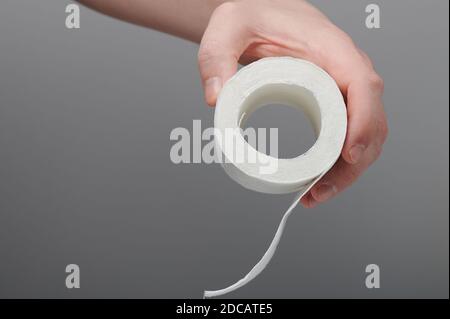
point(243, 31)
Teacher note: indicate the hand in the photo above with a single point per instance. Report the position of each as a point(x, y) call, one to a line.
point(246, 30)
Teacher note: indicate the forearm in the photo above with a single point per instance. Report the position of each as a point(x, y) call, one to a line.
point(183, 18)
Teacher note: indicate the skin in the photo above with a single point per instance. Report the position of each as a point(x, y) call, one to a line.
point(242, 31)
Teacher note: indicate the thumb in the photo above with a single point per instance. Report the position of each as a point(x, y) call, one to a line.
point(221, 46)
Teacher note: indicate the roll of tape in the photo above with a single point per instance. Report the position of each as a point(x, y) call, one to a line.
point(299, 84)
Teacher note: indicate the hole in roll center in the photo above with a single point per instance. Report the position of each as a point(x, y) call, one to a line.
point(292, 109)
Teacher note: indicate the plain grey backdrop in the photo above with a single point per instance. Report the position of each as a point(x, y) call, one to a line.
point(85, 174)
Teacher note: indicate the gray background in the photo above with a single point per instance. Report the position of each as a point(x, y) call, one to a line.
point(85, 175)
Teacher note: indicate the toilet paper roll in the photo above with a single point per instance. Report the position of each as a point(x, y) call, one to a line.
point(299, 84)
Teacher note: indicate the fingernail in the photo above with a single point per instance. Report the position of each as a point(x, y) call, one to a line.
point(212, 89)
point(356, 153)
point(325, 191)
point(307, 201)
point(311, 202)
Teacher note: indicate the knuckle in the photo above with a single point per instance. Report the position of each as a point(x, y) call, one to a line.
point(225, 8)
point(348, 41)
point(376, 81)
point(366, 58)
point(208, 50)
point(342, 36)
point(204, 54)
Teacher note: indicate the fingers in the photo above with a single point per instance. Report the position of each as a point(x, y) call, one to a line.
point(365, 117)
point(341, 176)
point(336, 180)
point(366, 133)
point(220, 49)
point(223, 45)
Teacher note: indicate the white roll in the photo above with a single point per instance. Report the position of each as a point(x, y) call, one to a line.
point(299, 84)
